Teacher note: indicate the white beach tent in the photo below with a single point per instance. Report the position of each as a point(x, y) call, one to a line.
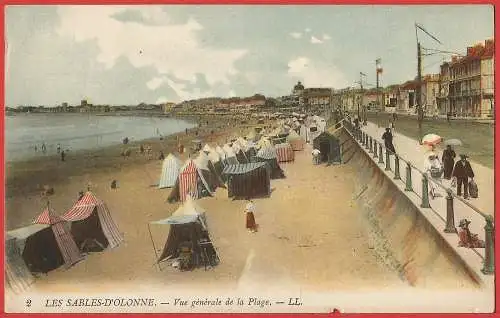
point(169, 171)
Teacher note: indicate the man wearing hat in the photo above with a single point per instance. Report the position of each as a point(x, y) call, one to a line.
point(387, 137)
point(463, 171)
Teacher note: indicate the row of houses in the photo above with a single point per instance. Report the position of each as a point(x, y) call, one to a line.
point(463, 88)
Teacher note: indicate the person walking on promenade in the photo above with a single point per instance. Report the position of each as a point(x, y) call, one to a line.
point(44, 148)
point(463, 171)
point(434, 170)
point(387, 137)
point(63, 155)
point(250, 217)
point(448, 160)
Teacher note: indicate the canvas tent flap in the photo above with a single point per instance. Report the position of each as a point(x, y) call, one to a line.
point(22, 234)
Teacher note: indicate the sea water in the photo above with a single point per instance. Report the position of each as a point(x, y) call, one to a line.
point(24, 132)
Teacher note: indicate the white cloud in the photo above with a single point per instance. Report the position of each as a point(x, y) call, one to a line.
point(154, 83)
point(316, 74)
point(171, 49)
point(326, 37)
point(307, 30)
point(315, 40)
point(161, 100)
point(296, 35)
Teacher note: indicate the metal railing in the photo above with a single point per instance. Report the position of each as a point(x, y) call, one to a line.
point(371, 144)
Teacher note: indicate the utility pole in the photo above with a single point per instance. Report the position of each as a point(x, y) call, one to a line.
point(360, 101)
point(378, 70)
point(420, 111)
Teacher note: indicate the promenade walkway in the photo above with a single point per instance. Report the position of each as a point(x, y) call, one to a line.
point(410, 150)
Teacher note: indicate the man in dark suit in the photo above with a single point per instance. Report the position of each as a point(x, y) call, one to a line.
point(463, 171)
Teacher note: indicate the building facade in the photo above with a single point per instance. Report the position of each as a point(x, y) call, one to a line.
point(429, 92)
point(467, 85)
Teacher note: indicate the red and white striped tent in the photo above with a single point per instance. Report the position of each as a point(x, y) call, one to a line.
point(190, 182)
point(284, 152)
point(295, 140)
point(69, 250)
point(91, 220)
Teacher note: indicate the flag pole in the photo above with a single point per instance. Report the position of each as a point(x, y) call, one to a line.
point(154, 248)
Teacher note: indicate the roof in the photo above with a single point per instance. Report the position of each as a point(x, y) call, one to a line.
point(48, 217)
point(267, 152)
point(188, 212)
point(243, 168)
point(24, 232)
point(83, 208)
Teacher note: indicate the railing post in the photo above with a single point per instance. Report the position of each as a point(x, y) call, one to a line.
point(450, 214)
point(375, 149)
point(409, 184)
point(396, 168)
point(381, 154)
point(489, 258)
point(387, 160)
point(425, 192)
point(367, 144)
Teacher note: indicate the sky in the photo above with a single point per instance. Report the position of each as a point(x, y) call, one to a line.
point(125, 55)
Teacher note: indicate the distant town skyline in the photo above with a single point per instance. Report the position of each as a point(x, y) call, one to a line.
point(125, 55)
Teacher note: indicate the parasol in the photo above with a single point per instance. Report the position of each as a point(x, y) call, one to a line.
point(431, 139)
point(453, 142)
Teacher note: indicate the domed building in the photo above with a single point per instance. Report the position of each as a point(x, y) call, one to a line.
point(298, 89)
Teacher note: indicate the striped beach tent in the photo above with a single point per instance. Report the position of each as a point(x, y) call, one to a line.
point(295, 141)
point(69, 249)
point(92, 225)
point(191, 181)
point(248, 180)
point(284, 152)
point(18, 277)
point(268, 154)
point(169, 171)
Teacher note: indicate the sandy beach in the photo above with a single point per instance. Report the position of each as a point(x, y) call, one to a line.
point(311, 235)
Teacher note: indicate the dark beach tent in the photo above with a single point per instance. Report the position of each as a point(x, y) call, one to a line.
point(191, 181)
point(251, 151)
point(216, 162)
point(38, 247)
point(329, 147)
point(92, 225)
point(268, 154)
point(67, 246)
point(208, 171)
point(248, 180)
point(231, 158)
point(18, 277)
point(240, 153)
point(188, 230)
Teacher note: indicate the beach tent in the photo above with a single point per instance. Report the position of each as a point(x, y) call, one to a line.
point(329, 147)
point(92, 225)
point(284, 152)
point(295, 141)
point(221, 153)
point(207, 148)
point(208, 170)
point(38, 247)
point(248, 180)
point(191, 181)
point(169, 171)
point(18, 277)
point(65, 242)
point(188, 229)
point(231, 158)
point(268, 154)
point(251, 151)
point(216, 162)
point(240, 153)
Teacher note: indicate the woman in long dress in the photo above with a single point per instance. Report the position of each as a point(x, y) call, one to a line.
point(434, 169)
point(250, 217)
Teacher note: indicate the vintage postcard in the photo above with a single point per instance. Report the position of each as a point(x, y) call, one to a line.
point(255, 159)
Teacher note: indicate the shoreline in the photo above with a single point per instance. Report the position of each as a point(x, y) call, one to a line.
point(25, 178)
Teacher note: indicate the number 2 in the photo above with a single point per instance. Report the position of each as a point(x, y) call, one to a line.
point(28, 302)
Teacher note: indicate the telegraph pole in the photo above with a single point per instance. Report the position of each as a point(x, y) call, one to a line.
point(420, 111)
